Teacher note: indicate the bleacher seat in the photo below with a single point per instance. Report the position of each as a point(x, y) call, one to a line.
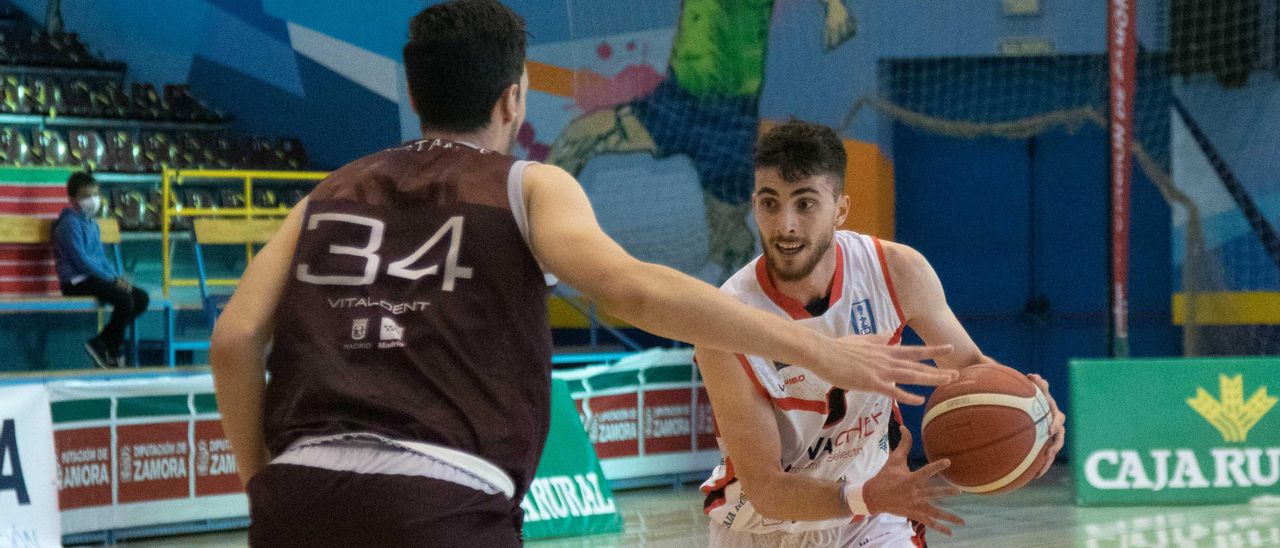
point(49, 149)
point(218, 232)
point(17, 96)
point(87, 148)
point(123, 154)
point(14, 147)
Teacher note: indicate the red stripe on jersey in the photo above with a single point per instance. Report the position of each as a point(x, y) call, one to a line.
point(897, 335)
point(726, 480)
point(917, 538)
point(888, 283)
point(751, 374)
point(797, 404)
point(795, 308)
point(785, 404)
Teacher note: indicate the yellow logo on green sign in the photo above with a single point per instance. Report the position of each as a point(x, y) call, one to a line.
point(1232, 415)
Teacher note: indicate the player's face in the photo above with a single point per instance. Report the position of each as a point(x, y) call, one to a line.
point(797, 221)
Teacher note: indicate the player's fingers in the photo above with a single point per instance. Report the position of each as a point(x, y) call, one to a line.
point(945, 515)
point(1059, 440)
point(902, 396)
point(942, 491)
point(920, 353)
point(905, 372)
point(904, 444)
point(1044, 469)
point(935, 525)
point(1039, 381)
point(930, 470)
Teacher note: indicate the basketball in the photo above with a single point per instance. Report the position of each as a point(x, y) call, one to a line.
point(993, 424)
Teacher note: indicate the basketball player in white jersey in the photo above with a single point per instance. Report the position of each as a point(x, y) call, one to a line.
point(806, 463)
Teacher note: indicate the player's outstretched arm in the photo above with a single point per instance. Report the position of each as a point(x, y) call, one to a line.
point(925, 305)
point(237, 352)
point(749, 432)
point(568, 241)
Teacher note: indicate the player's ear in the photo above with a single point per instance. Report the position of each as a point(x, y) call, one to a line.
point(510, 103)
point(842, 209)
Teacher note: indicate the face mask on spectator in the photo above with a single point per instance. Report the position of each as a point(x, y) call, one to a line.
point(90, 205)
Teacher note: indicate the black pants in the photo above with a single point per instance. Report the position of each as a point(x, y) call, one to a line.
point(291, 505)
point(126, 304)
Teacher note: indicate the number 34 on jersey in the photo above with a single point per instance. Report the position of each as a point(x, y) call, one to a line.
point(402, 268)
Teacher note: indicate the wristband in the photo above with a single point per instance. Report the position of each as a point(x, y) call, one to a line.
point(852, 496)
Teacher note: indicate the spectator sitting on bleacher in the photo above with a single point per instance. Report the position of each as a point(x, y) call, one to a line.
point(84, 271)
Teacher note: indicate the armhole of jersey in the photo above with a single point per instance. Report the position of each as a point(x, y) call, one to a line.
point(893, 295)
point(515, 199)
point(751, 374)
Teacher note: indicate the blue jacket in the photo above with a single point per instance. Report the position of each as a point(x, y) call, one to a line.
point(77, 248)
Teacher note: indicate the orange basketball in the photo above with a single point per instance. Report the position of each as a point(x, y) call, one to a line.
point(993, 423)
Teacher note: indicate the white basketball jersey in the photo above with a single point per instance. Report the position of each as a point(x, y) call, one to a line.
point(825, 432)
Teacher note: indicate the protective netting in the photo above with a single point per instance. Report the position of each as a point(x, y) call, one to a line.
point(1204, 134)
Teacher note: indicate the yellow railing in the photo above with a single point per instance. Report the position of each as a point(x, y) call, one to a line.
point(175, 178)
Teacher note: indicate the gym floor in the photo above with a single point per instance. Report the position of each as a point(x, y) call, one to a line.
point(1041, 514)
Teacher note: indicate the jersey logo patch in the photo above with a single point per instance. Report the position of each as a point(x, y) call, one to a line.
point(391, 331)
point(864, 319)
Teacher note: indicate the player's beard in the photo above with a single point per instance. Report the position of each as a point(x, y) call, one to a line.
point(808, 259)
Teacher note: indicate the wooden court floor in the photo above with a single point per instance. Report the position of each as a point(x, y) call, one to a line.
point(1039, 515)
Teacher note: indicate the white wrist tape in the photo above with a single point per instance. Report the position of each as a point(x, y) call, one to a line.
point(852, 495)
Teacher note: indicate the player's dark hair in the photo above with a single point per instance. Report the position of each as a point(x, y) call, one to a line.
point(77, 181)
point(460, 57)
point(799, 150)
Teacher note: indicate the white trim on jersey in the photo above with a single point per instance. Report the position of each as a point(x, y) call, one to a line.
point(515, 200)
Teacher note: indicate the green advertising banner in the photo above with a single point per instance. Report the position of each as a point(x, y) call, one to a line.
point(1174, 431)
point(569, 495)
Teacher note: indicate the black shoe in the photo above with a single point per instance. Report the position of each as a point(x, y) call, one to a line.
point(100, 354)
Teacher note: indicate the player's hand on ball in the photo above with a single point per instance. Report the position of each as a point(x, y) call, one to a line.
point(868, 364)
point(899, 491)
point(1057, 428)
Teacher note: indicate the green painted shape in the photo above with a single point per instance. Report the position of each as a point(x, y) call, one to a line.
point(81, 410)
point(34, 176)
point(1138, 406)
point(152, 406)
point(606, 381)
point(566, 469)
point(670, 373)
point(719, 49)
point(206, 403)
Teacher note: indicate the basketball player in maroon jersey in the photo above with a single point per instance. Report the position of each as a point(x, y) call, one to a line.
point(802, 457)
point(401, 310)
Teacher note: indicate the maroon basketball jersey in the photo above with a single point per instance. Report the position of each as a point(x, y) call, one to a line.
point(415, 310)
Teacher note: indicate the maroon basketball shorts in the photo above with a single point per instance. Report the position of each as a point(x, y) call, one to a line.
point(293, 505)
